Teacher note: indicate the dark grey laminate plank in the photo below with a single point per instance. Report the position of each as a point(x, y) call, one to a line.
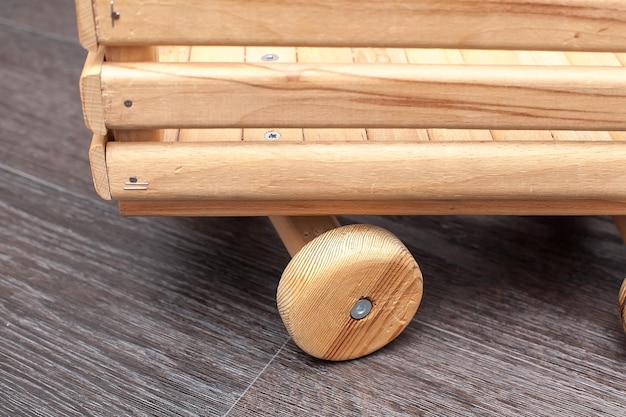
point(53, 18)
point(518, 318)
point(41, 125)
point(109, 316)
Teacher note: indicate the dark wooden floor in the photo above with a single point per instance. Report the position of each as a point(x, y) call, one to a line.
point(102, 315)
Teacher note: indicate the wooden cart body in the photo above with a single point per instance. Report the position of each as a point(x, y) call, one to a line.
point(327, 107)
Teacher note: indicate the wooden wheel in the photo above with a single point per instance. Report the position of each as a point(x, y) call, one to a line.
point(622, 304)
point(349, 292)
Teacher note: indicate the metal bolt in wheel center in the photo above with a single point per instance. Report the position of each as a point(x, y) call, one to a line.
point(361, 309)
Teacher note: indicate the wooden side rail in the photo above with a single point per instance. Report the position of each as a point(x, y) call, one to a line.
point(252, 171)
point(193, 95)
point(598, 25)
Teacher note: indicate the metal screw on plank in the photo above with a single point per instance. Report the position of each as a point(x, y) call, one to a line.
point(361, 309)
point(128, 103)
point(115, 15)
point(269, 57)
point(272, 135)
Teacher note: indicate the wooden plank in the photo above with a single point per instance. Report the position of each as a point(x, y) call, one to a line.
point(132, 54)
point(453, 57)
point(597, 59)
point(484, 57)
point(380, 56)
point(516, 24)
point(172, 54)
point(370, 171)
point(195, 208)
point(213, 54)
point(91, 92)
point(560, 59)
point(136, 54)
point(361, 95)
point(86, 24)
point(335, 56)
point(256, 54)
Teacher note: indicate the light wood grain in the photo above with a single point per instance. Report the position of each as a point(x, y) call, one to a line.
point(520, 24)
point(213, 54)
point(91, 92)
point(362, 95)
point(146, 53)
point(386, 55)
point(377, 171)
point(255, 54)
point(335, 56)
point(86, 24)
point(325, 279)
point(297, 231)
point(97, 161)
point(485, 57)
point(451, 57)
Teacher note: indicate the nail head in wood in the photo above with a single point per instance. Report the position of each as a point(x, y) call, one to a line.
point(272, 135)
point(269, 57)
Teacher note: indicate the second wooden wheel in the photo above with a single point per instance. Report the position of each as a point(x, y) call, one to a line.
point(349, 292)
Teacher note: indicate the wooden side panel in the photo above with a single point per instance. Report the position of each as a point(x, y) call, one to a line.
point(364, 95)
point(515, 24)
point(370, 171)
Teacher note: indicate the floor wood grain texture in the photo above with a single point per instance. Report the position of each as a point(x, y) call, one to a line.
point(102, 315)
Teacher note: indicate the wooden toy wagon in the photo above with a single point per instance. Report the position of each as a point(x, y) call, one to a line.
point(304, 109)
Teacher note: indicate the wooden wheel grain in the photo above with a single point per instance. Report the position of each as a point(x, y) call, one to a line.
point(622, 304)
point(331, 274)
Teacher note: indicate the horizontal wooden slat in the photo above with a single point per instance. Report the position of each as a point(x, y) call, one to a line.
point(197, 208)
point(274, 171)
point(147, 95)
point(512, 24)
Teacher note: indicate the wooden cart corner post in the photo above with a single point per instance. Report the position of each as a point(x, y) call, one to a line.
point(202, 107)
